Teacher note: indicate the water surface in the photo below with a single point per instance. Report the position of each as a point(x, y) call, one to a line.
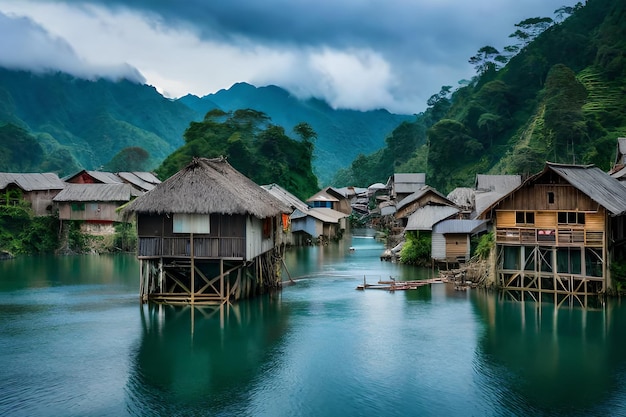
point(74, 341)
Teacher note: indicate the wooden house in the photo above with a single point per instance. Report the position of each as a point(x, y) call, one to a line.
point(36, 189)
point(94, 205)
point(423, 197)
point(490, 188)
point(332, 199)
point(139, 181)
point(451, 239)
point(558, 233)
point(209, 235)
point(309, 224)
point(403, 185)
point(424, 218)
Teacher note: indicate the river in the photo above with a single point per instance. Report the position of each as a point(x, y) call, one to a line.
point(74, 341)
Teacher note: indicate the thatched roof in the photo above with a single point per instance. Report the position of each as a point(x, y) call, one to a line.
point(208, 186)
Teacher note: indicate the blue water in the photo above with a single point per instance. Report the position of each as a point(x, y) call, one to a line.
point(74, 341)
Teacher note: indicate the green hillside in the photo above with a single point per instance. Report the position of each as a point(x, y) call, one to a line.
point(86, 123)
point(341, 134)
point(556, 94)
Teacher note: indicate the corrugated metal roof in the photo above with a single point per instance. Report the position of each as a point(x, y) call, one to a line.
point(285, 196)
point(595, 183)
point(94, 192)
point(105, 177)
point(147, 177)
point(425, 217)
point(502, 184)
point(325, 215)
point(419, 178)
point(322, 196)
point(425, 189)
point(460, 226)
point(32, 181)
point(136, 180)
point(483, 200)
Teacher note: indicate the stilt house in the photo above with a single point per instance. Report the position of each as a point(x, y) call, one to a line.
point(558, 233)
point(209, 235)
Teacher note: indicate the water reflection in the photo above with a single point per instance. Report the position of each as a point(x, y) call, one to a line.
point(539, 358)
point(201, 360)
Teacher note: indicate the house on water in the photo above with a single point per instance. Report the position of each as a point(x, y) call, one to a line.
point(208, 235)
point(558, 233)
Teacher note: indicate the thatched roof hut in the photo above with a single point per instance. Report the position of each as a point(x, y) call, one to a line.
point(208, 186)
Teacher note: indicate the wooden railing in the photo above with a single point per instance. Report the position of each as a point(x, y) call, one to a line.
point(550, 237)
point(203, 247)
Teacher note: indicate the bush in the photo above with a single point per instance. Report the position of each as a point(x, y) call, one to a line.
point(416, 249)
point(125, 237)
point(485, 244)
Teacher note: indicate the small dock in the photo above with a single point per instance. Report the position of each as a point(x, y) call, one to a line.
point(393, 285)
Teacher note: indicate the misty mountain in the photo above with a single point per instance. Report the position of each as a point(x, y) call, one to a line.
point(75, 123)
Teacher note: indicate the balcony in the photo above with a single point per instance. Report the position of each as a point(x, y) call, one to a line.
point(550, 237)
point(180, 247)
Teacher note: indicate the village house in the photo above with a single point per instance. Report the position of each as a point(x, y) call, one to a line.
point(558, 233)
point(36, 189)
point(95, 206)
point(208, 235)
point(403, 185)
point(451, 240)
point(139, 181)
point(308, 225)
point(332, 199)
point(423, 197)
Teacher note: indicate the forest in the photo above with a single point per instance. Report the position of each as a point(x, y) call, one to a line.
point(555, 93)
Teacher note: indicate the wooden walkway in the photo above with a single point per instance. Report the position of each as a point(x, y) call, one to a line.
point(400, 285)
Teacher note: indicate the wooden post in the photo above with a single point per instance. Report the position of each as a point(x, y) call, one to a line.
point(222, 279)
point(193, 270)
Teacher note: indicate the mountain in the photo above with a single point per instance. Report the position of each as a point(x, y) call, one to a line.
point(341, 134)
point(71, 123)
point(89, 122)
point(558, 98)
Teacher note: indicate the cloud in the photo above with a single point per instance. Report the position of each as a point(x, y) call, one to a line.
point(24, 45)
point(357, 54)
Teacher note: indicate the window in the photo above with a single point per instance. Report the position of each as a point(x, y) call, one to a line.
point(546, 235)
point(525, 217)
point(571, 217)
point(78, 206)
point(550, 197)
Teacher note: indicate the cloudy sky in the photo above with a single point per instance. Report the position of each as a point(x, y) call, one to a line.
point(358, 54)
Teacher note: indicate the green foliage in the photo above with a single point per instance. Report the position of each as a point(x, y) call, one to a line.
point(77, 241)
point(258, 149)
point(618, 275)
point(133, 158)
point(485, 244)
point(416, 249)
point(559, 98)
point(125, 238)
point(40, 236)
point(21, 233)
point(19, 151)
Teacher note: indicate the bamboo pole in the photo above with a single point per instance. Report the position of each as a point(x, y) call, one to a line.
point(193, 269)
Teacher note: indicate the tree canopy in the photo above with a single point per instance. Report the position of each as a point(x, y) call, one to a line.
point(254, 146)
